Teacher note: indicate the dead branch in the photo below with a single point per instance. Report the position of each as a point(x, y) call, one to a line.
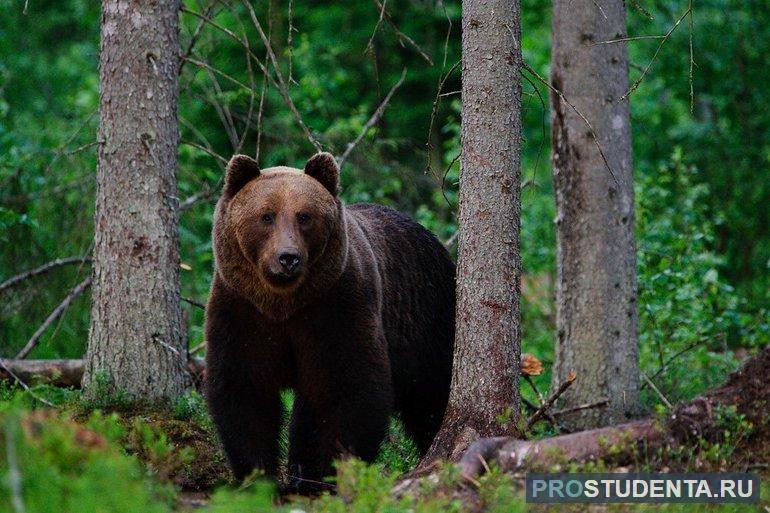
point(434, 111)
point(655, 55)
point(193, 302)
point(624, 40)
point(580, 114)
point(57, 312)
point(6, 371)
point(451, 240)
point(372, 121)
point(194, 38)
point(281, 83)
point(49, 266)
point(401, 36)
point(197, 348)
point(513, 455)
point(370, 44)
point(548, 403)
point(657, 391)
point(580, 407)
point(217, 156)
point(63, 373)
point(548, 416)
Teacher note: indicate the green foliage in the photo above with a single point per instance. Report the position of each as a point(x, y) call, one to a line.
point(102, 394)
point(691, 320)
point(191, 406)
point(71, 468)
point(398, 453)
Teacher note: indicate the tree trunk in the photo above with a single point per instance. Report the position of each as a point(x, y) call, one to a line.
point(484, 399)
point(596, 293)
point(135, 339)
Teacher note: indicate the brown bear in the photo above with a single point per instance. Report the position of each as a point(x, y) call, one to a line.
point(351, 307)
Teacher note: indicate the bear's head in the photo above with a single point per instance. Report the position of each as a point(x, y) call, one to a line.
point(279, 233)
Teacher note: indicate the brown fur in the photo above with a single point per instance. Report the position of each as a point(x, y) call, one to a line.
point(363, 327)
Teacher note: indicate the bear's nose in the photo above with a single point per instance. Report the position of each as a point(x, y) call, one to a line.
point(288, 261)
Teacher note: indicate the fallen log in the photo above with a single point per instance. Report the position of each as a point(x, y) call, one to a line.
point(65, 373)
point(748, 389)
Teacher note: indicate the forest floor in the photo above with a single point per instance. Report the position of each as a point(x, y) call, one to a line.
point(76, 457)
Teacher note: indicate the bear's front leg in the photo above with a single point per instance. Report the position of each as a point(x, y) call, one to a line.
point(342, 408)
point(244, 375)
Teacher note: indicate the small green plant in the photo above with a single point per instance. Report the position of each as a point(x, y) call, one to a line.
point(191, 406)
point(102, 394)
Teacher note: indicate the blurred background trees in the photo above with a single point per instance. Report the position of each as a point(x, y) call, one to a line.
point(702, 185)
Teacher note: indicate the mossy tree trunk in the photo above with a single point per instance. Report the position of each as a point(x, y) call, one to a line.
point(596, 252)
point(484, 399)
point(135, 339)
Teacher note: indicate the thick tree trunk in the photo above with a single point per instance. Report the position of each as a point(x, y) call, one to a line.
point(596, 254)
point(485, 376)
point(135, 338)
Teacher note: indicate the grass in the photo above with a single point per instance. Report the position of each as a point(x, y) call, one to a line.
point(78, 459)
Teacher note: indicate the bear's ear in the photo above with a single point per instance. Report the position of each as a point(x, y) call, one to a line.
point(240, 170)
point(323, 167)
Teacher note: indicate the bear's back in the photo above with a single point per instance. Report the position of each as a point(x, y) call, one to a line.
point(418, 288)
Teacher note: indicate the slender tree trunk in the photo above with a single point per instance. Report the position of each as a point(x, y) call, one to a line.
point(135, 337)
point(596, 255)
point(484, 399)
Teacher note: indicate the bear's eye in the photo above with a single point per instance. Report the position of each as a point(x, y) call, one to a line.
point(268, 218)
point(303, 218)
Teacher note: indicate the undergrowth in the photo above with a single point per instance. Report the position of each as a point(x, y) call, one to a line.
point(71, 459)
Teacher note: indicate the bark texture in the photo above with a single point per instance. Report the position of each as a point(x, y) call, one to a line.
point(596, 291)
point(487, 337)
point(136, 337)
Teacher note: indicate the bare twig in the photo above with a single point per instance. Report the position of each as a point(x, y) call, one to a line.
point(600, 9)
point(208, 151)
point(543, 138)
point(434, 112)
point(660, 394)
point(581, 407)
point(205, 194)
point(624, 39)
point(665, 364)
point(550, 401)
point(282, 88)
point(289, 40)
point(60, 151)
point(24, 385)
point(451, 240)
point(401, 36)
point(372, 120)
point(53, 264)
point(219, 72)
point(194, 302)
point(370, 44)
point(194, 38)
point(580, 114)
point(53, 316)
point(548, 416)
point(197, 348)
point(655, 55)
